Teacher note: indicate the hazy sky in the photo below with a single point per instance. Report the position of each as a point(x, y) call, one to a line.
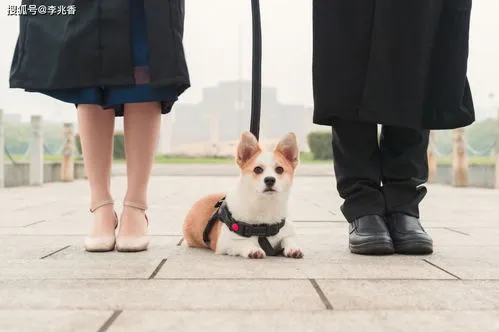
point(212, 45)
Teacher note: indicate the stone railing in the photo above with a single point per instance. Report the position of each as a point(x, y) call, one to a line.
point(31, 169)
point(460, 169)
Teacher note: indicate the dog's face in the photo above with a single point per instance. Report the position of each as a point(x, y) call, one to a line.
point(267, 173)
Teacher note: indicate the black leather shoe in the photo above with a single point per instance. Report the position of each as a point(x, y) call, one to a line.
point(369, 235)
point(408, 236)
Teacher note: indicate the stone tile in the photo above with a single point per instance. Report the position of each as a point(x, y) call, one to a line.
point(323, 240)
point(322, 259)
point(12, 231)
point(480, 219)
point(158, 226)
point(422, 296)
point(411, 294)
point(452, 236)
point(469, 267)
point(480, 209)
point(167, 211)
point(221, 267)
point(52, 320)
point(318, 321)
point(30, 215)
point(84, 269)
point(330, 228)
point(162, 226)
point(301, 210)
point(159, 247)
point(482, 235)
point(32, 247)
point(49, 228)
point(159, 294)
point(458, 251)
point(18, 223)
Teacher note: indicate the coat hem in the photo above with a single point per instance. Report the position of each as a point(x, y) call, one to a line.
point(353, 115)
point(180, 84)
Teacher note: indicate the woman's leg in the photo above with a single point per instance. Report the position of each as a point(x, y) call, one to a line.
point(142, 127)
point(96, 127)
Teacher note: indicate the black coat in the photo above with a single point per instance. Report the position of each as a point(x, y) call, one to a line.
point(93, 48)
point(393, 62)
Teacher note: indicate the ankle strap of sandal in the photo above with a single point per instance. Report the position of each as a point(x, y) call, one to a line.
point(135, 205)
point(101, 204)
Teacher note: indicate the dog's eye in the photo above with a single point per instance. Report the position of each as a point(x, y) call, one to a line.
point(258, 170)
point(279, 170)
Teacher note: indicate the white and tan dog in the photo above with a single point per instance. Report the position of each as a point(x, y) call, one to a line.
point(260, 198)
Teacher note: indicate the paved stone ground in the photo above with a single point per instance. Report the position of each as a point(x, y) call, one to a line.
point(48, 282)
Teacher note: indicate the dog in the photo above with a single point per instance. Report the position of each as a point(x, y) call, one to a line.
point(250, 220)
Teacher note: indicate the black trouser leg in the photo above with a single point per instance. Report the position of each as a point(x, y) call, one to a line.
point(381, 186)
point(404, 168)
point(357, 167)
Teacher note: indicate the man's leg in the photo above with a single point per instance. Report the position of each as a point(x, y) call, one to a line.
point(404, 170)
point(358, 175)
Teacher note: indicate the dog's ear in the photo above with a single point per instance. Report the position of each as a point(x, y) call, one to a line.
point(246, 148)
point(288, 148)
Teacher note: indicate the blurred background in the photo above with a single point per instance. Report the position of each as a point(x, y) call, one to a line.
point(207, 120)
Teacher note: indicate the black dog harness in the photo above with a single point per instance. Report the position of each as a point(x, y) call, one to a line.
point(244, 229)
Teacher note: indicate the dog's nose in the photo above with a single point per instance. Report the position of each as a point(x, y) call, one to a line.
point(269, 181)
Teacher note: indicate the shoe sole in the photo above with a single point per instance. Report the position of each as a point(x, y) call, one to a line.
point(373, 248)
point(131, 249)
point(99, 249)
point(414, 247)
point(132, 244)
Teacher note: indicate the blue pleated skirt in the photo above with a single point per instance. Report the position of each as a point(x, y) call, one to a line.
point(114, 98)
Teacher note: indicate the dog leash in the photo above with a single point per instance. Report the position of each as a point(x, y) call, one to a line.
point(256, 98)
point(267, 247)
point(256, 84)
point(263, 231)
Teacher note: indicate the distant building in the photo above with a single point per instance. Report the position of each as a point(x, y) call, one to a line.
point(214, 125)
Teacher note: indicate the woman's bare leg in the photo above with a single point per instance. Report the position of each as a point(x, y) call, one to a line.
point(142, 123)
point(96, 128)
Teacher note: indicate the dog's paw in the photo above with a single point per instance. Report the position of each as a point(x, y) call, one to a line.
point(293, 253)
point(256, 253)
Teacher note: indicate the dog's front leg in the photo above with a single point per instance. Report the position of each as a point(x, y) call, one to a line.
point(291, 248)
point(244, 247)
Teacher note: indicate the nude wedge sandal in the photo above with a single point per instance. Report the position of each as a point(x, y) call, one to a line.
point(133, 243)
point(105, 242)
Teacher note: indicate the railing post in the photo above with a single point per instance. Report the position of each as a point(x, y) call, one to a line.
point(432, 158)
point(2, 147)
point(36, 152)
point(497, 153)
point(459, 159)
point(67, 164)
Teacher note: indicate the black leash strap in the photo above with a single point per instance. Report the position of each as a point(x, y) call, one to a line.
point(211, 222)
point(256, 86)
point(267, 247)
